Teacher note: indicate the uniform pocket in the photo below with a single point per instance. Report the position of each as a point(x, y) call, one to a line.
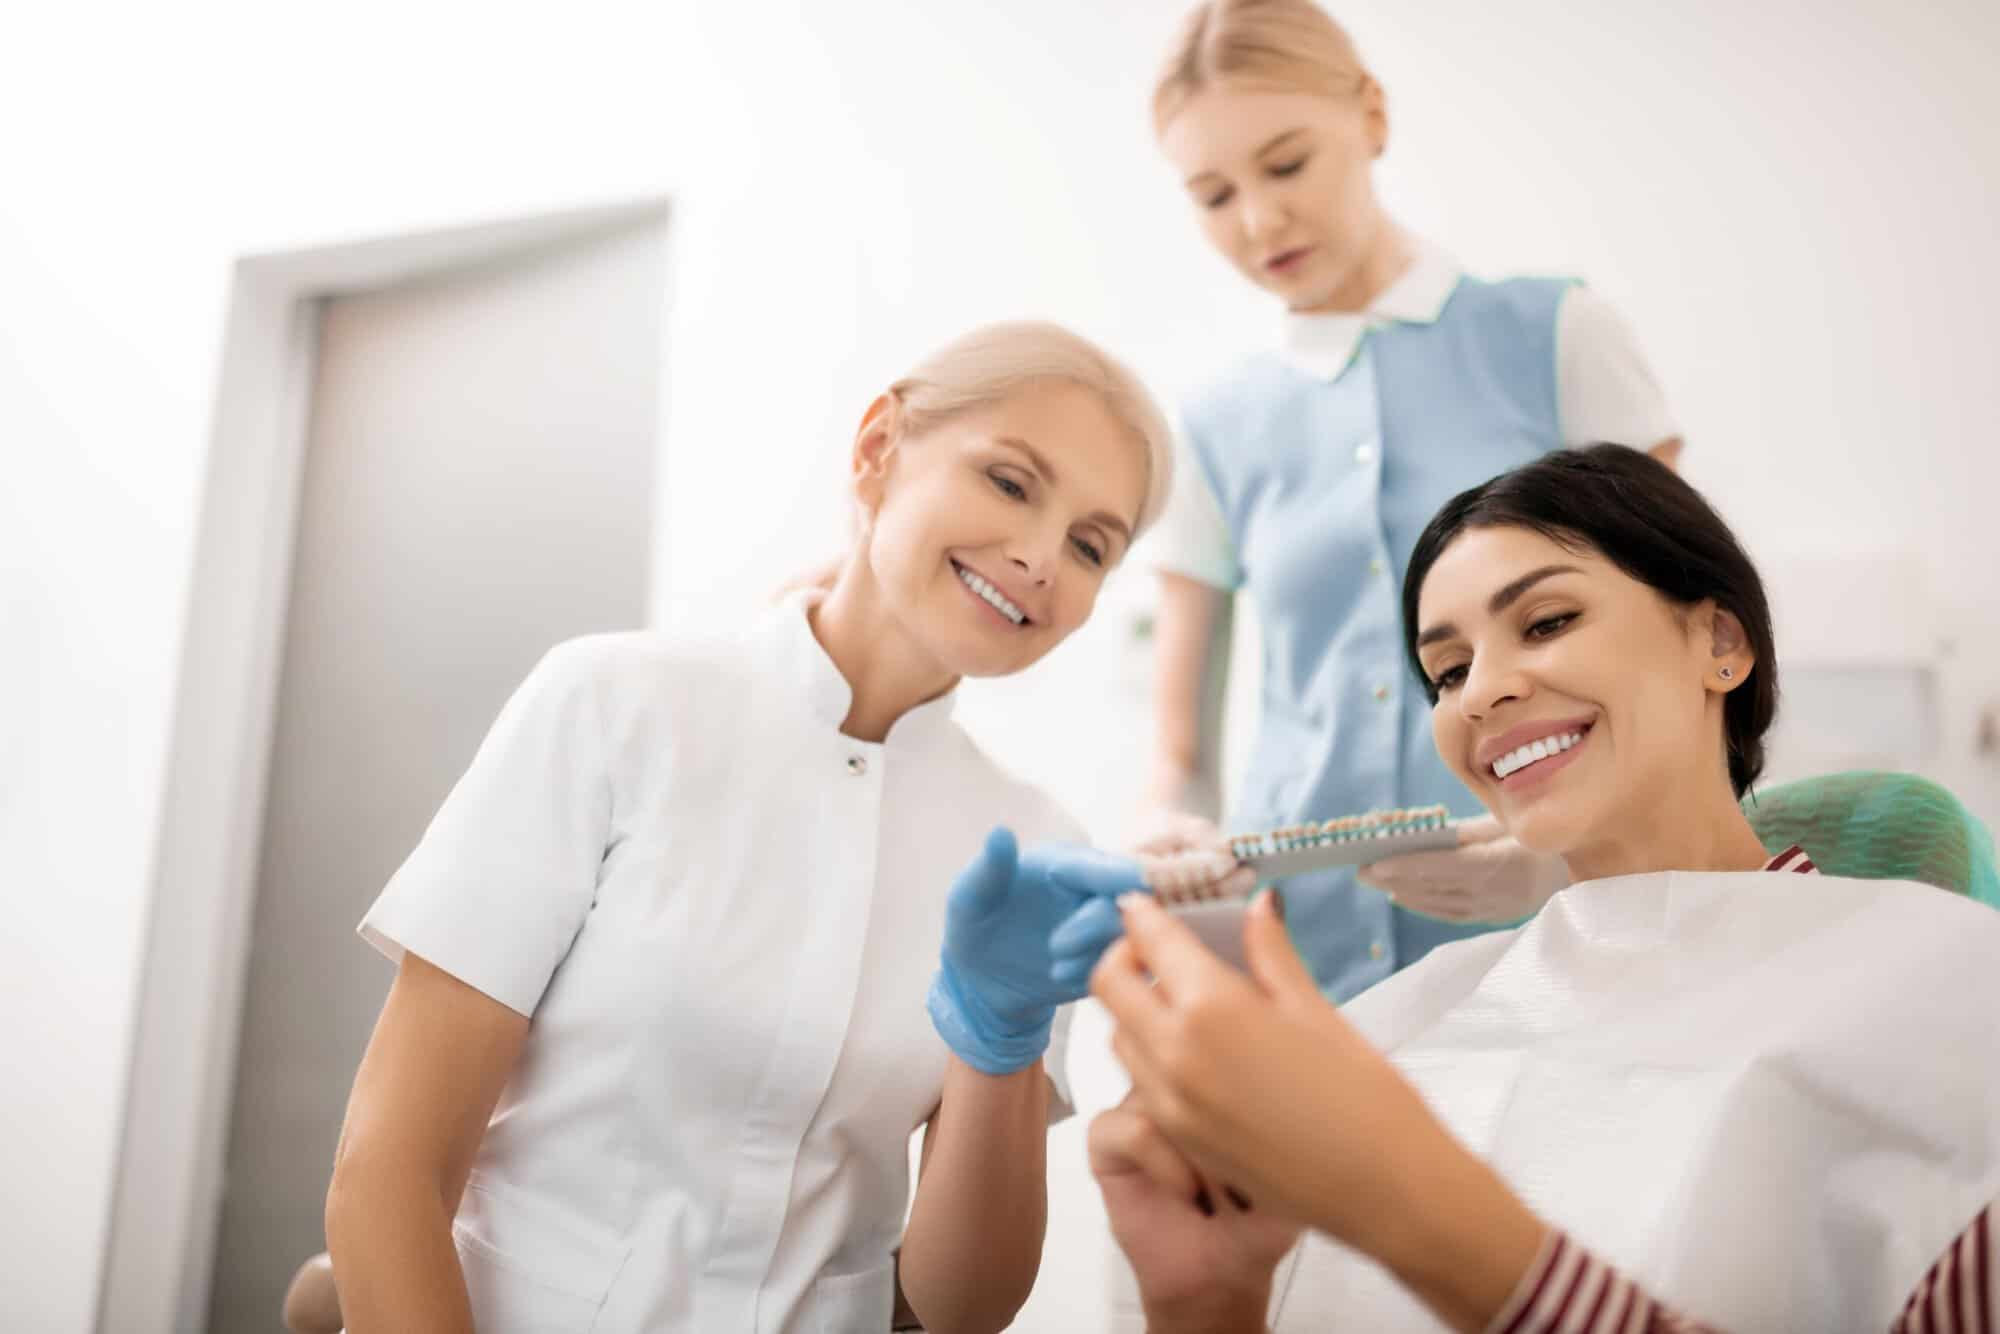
point(862, 1303)
point(528, 1269)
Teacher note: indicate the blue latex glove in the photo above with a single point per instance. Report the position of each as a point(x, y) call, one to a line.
point(994, 998)
point(1180, 850)
point(1077, 944)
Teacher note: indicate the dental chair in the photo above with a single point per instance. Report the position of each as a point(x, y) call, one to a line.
point(1880, 826)
point(1864, 825)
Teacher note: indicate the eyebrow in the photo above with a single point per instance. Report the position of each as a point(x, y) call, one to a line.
point(1501, 600)
point(1268, 146)
point(1048, 475)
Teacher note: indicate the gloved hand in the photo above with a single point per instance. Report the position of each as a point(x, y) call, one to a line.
point(994, 997)
point(1488, 877)
point(1178, 854)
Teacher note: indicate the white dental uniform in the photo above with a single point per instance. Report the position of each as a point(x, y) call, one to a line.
point(722, 916)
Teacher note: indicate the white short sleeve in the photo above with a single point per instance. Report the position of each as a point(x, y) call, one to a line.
point(1191, 538)
point(1605, 391)
point(499, 886)
point(1062, 1099)
point(1055, 1061)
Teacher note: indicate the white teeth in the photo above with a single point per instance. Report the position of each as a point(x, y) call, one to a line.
point(1516, 760)
point(991, 594)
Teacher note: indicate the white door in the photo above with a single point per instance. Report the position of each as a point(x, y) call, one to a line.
point(478, 485)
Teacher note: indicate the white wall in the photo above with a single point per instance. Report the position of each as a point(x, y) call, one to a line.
point(1793, 201)
point(1790, 200)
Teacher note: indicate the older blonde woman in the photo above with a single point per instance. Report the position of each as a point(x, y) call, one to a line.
point(658, 1038)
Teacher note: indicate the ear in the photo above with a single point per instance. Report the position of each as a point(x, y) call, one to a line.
point(1731, 658)
point(1375, 114)
point(875, 449)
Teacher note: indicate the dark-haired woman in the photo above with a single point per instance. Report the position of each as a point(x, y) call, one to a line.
point(1690, 1094)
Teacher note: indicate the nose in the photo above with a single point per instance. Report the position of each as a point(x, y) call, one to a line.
point(1263, 216)
point(1033, 567)
point(1491, 681)
point(1035, 555)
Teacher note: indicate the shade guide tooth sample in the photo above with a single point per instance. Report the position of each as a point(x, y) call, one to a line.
point(1346, 840)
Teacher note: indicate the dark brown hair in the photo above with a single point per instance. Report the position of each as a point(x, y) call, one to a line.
point(1641, 516)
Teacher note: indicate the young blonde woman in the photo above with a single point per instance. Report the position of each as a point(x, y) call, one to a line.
point(658, 1039)
point(1309, 468)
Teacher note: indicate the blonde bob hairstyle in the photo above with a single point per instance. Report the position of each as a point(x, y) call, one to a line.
point(994, 362)
point(1286, 46)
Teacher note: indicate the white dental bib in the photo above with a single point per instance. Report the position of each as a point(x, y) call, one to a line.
point(1772, 1100)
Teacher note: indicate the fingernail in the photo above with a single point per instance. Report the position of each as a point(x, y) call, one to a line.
point(1237, 1198)
point(1127, 902)
point(1203, 1203)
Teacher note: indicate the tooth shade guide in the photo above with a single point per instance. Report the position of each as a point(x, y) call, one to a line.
point(1346, 828)
point(1347, 840)
point(1187, 877)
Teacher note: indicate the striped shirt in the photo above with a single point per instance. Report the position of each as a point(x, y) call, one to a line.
point(1568, 1289)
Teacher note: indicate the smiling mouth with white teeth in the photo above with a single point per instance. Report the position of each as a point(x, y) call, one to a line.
point(1516, 760)
point(991, 595)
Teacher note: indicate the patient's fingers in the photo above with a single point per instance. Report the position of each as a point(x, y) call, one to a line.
point(1121, 981)
point(1123, 1141)
point(1170, 950)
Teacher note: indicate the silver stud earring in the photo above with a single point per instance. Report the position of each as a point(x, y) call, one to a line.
point(1727, 673)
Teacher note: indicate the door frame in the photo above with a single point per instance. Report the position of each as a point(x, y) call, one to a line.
point(167, 1184)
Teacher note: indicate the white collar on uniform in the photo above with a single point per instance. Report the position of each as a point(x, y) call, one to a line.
point(825, 691)
point(1322, 344)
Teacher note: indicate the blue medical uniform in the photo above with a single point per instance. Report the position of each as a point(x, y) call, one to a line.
point(1324, 487)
